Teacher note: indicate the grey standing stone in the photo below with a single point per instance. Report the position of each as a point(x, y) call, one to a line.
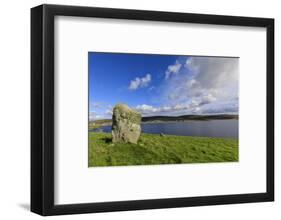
point(125, 124)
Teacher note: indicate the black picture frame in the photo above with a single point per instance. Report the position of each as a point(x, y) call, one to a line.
point(42, 109)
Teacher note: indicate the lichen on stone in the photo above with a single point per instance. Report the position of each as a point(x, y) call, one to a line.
point(125, 124)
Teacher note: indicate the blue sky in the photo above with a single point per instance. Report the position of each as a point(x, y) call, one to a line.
point(162, 84)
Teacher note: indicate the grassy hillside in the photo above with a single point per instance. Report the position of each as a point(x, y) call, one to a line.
point(156, 149)
point(189, 117)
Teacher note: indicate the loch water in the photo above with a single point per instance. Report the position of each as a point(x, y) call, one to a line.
point(226, 128)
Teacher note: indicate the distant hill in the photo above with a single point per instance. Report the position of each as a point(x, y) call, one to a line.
point(188, 117)
point(175, 118)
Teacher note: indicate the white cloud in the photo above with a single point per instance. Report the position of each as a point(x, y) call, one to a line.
point(96, 105)
point(196, 85)
point(94, 116)
point(109, 112)
point(200, 85)
point(140, 82)
point(206, 99)
point(103, 111)
point(169, 110)
point(173, 69)
point(210, 82)
point(229, 107)
point(214, 72)
point(145, 109)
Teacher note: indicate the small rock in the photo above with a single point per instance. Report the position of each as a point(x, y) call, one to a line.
point(125, 124)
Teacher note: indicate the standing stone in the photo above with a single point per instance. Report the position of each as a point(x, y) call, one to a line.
point(125, 124)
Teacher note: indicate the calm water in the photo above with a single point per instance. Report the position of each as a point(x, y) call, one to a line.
point(211, 128)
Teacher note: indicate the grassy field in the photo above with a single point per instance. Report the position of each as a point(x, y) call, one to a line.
point(156, 149)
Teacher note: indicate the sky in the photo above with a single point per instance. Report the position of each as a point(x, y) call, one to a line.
point(168, 85)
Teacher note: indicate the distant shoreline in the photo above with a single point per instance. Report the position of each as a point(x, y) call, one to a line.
point(189, 117)
point(160, 119)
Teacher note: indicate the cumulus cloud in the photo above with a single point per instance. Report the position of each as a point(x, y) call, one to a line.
point(210, 82)
point(109, 111)
point(214, 71)
point(100, 111)
point(206, 99)
point(96, 105)
point(173, 69)
point(193, 107)
point(169, 110)
point(94, 116)
point(192, 85)
point(140, 82)
point(228, 107)
point(145, 108)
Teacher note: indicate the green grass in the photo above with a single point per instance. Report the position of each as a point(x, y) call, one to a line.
point(156, 149)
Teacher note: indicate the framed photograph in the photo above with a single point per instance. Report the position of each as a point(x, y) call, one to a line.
point(139, 109)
